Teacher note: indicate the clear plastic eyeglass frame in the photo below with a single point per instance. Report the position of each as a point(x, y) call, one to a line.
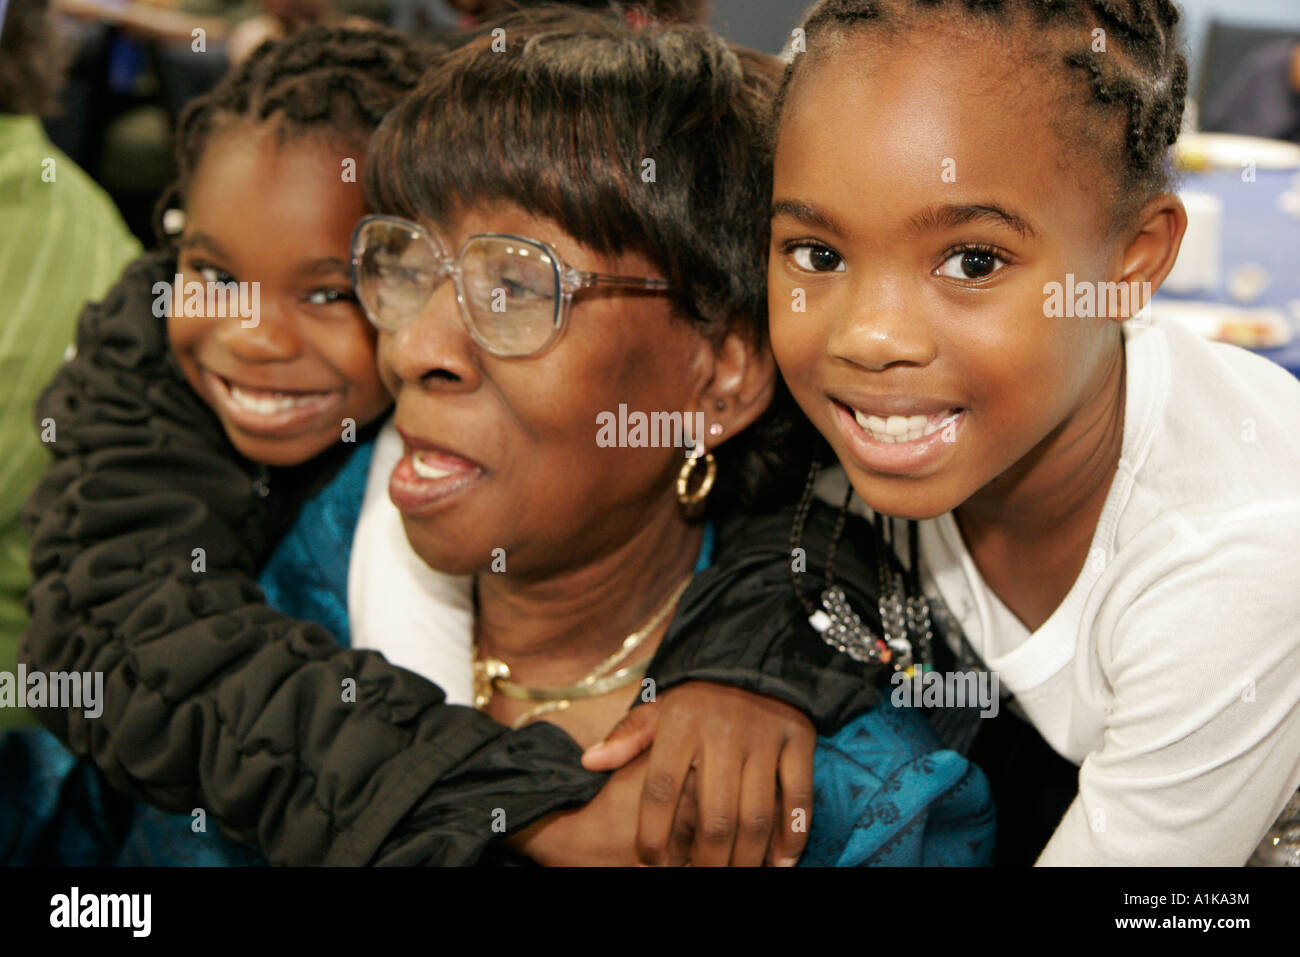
point(568, 280)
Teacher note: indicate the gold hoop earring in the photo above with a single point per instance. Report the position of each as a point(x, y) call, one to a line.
point(693, 502)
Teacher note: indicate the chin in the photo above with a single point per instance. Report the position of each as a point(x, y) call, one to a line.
point(441, 554)
point(913, 500)
point(278, 453)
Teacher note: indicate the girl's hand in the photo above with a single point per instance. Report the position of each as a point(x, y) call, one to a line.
point(753, 760)
point(602, 833)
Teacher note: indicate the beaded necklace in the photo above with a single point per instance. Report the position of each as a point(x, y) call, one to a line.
point(904, 610)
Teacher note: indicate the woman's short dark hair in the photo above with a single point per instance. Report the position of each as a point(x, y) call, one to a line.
point(652, 139)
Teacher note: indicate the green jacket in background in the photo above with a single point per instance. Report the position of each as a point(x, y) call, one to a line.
point(62, 242)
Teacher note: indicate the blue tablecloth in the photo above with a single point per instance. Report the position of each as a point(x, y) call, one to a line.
point(1256, 230)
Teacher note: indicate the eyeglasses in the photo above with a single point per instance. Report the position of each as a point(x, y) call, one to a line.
point(514, 293)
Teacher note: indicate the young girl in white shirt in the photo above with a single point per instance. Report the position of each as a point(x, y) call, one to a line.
point(1110, 508)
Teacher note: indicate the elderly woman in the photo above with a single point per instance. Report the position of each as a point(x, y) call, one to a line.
point(570, 226)
point(530, 289)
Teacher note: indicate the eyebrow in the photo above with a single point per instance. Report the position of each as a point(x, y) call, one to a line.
point(930, 219)
point(808, 214)
point(190, 240)
point(936, 218)
point(325, 266)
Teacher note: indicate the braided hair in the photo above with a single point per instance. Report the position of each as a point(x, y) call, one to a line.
point(341, 81)
point(1136, 75)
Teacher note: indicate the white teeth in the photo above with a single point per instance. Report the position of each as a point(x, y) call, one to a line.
point(270, 405)
point(900, 428)
point(425, 470)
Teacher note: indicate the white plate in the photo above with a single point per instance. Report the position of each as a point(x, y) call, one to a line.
point(1250, 328)
point(1230, 149)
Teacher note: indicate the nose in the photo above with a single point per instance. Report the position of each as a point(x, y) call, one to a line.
point(273, 337)
point(879, 327)
point(433, 351)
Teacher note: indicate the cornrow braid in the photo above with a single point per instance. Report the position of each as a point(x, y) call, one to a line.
point(336, 79)
point(1142, 71)
point(1151, 85)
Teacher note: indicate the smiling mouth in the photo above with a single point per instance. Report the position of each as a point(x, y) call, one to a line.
point(265, 402)
point(429, 476)
point(424, 479)
point(266, 411)
point(432, 466)
point(900, 429)
point(897, 444)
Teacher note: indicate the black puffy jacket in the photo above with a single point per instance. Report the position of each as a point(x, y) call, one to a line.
point(215, 700)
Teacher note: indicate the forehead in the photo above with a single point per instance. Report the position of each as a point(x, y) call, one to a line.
point(260, 170)
point(890, 123)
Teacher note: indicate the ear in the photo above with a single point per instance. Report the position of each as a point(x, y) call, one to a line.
point(1151, 252)
point(740, 387)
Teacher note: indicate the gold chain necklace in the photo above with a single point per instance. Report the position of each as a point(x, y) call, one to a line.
point(492, 675)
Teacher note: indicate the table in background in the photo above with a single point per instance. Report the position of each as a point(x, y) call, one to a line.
point(1256, 230)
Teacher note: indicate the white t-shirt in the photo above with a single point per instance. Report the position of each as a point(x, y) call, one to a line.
point(1171, 671)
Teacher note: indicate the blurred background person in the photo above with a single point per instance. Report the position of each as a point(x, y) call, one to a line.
point(62, 242)
point(135, 64)
point(1262, 96)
